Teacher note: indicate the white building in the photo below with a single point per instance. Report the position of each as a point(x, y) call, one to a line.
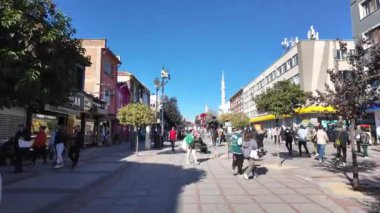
point(305, 63)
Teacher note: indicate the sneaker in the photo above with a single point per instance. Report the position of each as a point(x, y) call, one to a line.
point(320, 161)
point(365, 156)
point(197, 162)
point(187, 162)
point(316, 155)
point(58, 166)
point(246, 177)
point(234, 172)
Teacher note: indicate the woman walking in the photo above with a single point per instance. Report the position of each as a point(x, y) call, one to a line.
point(322, 140)
point(238, 157)
point(189, 139)
point(249, 144)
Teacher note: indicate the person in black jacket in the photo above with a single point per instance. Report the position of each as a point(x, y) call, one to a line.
point(75, 146)
point(289, 134)
point(23, 134)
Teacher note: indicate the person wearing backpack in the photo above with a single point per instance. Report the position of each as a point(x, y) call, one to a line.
point(342, 142)
point(362, 139)
point(302, 138)
point(189, 139)
point(238, 157)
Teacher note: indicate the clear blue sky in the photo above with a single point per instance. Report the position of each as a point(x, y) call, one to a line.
point(198, 39)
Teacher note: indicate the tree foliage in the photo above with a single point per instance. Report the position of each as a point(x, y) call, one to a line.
point(38, 54)
point(354, 90)
point(135, 114)
point(281, 99)
point(238, 120)
point(172, 111)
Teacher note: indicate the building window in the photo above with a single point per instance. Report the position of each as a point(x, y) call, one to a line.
point(279, 71)
point(283, 68)
point(367, 7)
point(296, 79)
point(341, 55)
point(295, 60)
point(374, 35)
point(107, 67)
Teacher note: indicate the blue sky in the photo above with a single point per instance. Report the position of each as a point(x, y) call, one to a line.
point(198, 39)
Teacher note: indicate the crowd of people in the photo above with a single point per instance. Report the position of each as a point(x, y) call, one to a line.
point(42, 146)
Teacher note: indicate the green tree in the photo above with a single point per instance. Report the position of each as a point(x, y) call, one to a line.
point(172, 111)
point(282, 99)
point(354, 90)
point(39, 55)
point(137, 115)
point(238, 120)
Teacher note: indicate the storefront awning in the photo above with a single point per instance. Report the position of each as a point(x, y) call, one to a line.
point(302, 110)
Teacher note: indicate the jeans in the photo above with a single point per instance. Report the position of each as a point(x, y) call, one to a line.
point(321, 151)
point(251, 167)
point(59, 147)
point(172, 142)
point(365, 150)
point(300, 144)
point(340, 149)
point(74, 155)
point(237, 161)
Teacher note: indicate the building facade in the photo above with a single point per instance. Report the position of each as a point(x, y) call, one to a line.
point(365, 15)
point(101, 79)
point(236, 102)
point(306, 64)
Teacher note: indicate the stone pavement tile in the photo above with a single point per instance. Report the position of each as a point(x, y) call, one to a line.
point(246, 208)
point(267, 199)
point(209, 192)
point(110, 194)
point(131, 200)
point(308, 191)
point(207, 185)
point(219, 208)
point(101, 202)
point(296, 185)
point(274, 185)
point(326, 202)
point(31, 202)
point(309, 207)
point(187, 208)
point(239, 199)
point(187, 199)
point(283, 191)
point(212, 199)
point(123, 209)
point(234, 191)
point(258, 191)
point(276, 208)
point(295, 199)
point(93, 209)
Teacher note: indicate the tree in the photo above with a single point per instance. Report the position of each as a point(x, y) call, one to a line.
point(39, 55)
point(238, 120)
point(282, 99)
point(137, 115)
point(354, 90)
point(172, 111)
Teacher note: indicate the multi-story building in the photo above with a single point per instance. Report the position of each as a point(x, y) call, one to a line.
point(306, 63)
point(139, 92)
point(236, 102)
point(365, 16)
point(101, 78)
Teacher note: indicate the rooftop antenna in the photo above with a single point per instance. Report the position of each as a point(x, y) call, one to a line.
point(312, 34)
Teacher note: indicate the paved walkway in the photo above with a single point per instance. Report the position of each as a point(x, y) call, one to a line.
point(110, 179)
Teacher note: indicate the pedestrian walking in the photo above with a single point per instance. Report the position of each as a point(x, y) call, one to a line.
point(59, 142)
point(76, 144)
point(189, 139)
point(342, 142)
point(260, 135)
point(22, 134)
point(214, 137)
point(302, 138)
point(312, 137)
point(39, 146)
point(289, 140)
point(238, 157)
point(172, 137)
point(322, 140)
point(220, 136)
point(249, 144)
point(358, 132)
point(363, 139)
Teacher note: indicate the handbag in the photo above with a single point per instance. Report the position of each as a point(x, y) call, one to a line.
point(254, 154)
point(184, 145)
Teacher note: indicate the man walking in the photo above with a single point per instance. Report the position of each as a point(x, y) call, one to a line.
point(172, 137)
point(289, 140)
point(75, 146)
point(302, 138)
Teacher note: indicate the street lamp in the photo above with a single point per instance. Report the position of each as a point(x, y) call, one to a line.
point(165, 77)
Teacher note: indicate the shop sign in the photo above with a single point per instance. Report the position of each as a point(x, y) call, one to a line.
point(99, 105)
point(87, 104)
point(76, 102)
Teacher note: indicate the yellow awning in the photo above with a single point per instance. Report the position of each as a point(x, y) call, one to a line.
point(302, 110)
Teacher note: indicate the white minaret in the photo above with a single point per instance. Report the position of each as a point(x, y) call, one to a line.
point(223, 87)
point(206, 108)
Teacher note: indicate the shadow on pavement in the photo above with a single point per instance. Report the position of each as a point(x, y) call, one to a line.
point(139, 187)
point(170, 152)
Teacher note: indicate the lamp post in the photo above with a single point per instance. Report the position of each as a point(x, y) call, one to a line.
point(165, 77)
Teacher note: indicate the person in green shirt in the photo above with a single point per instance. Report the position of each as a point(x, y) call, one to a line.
point(238, 157)
point(189, 139)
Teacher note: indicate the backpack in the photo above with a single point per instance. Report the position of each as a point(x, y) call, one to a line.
point(364, 138)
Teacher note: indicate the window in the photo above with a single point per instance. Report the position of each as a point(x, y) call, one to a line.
point(107, 96)
point(374, 35)
point(279, 71)
point(295, 60)
point(274, 74)
point(107, 67)
point(296, 79)
point(283, 68)
point(367, 7)
point(290, 62)
point(341, 55)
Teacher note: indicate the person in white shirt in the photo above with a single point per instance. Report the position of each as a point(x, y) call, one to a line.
point(302, 134)
point(322, 140)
